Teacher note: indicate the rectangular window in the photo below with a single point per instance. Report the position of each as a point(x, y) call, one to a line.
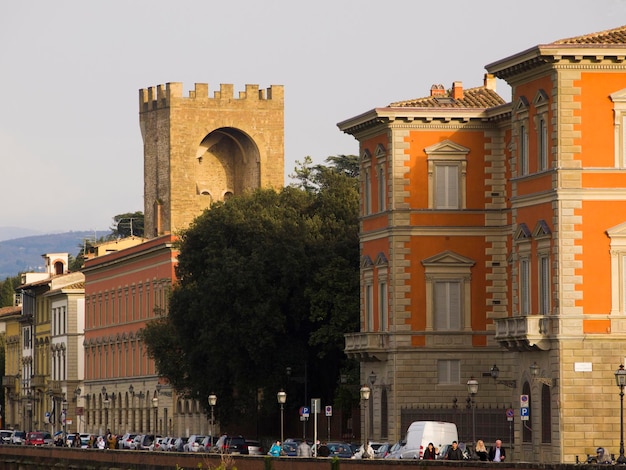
point(523, 151)
point(382, 197)
point(449, 371)
point(382, 305)
point(446, 186)
point(623, 146)
point(544, 285)
point(543, 145)
point(369, 308)
point(367, 199)
point(524, 286)
point(447, 306)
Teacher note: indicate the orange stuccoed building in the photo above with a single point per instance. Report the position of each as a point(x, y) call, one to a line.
point(493, 248)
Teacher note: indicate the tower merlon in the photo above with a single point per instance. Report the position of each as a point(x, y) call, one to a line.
point(161, 96)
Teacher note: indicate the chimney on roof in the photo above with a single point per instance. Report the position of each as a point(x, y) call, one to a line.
point(437, 90)
point(457, 90)
point(489, 81)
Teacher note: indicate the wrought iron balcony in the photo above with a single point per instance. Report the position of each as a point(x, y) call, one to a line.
point(524, 333)
point(367, 346)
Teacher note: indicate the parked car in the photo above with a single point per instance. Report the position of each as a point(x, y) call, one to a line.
point(156, 444)
point(126, 440)
point(254, 447)
point(5, 436)
point(193, 443)
point(339, 449)
point(382, 451)
point(18, 437)
point(231, 445)
point(207, 444)
point(145, 441)
point(166, 442)
point(179, 444)
point(290, 448)
point(134, 444)
point(38, 438)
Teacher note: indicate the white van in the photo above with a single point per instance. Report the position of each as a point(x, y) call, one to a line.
point(420, 433)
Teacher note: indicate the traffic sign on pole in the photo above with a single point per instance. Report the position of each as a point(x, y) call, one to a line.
point(329, 410)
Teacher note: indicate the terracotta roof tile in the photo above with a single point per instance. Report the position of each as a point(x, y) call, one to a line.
point(5, 311)
point(479, 97)
point(610, 36)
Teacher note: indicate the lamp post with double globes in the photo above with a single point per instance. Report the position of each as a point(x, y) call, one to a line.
point(620, 380)
point(365, 396)
point(472, 389)
point(155, 405)
point(281, 396)
point(212, 403)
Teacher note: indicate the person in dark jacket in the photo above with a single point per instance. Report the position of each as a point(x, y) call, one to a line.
point(430, 453)
point(454, 453)
point(497, 452)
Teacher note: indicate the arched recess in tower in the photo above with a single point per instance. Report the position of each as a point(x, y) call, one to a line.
point(228, 163)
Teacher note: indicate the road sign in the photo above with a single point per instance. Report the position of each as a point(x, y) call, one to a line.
point(329, 410)
point(523, 400)
point(509, 414)
point(524, 413)
point(304, 411)
point(316, 405)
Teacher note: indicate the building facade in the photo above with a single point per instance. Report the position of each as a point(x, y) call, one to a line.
point(492, 249)
point(43, 369)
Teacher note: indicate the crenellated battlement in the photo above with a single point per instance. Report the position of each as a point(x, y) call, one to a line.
point(162, 96)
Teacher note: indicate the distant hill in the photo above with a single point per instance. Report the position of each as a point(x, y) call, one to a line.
point(23, 254)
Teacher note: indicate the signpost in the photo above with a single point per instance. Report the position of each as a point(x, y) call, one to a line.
point(329, 414)
point(524, 410)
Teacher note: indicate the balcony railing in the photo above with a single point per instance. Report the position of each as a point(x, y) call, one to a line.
point(368, 346)
point(528, 332)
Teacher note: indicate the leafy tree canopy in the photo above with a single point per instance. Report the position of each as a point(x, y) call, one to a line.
point(127, 225)
point(268, 282)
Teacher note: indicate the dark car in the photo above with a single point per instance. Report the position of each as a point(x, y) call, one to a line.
point(231, 445)
point(290, 448)
point(340, 449)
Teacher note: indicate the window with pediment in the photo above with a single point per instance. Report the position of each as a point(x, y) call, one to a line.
point(619, 125)
point(448, 292)
point(617, 237)
point(367, 182)
point(447, 171)
point(541, 103)
point(522, 240)
point(521, 125)
point(543, 236)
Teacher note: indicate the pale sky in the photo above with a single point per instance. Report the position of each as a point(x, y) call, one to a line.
point(71, 153)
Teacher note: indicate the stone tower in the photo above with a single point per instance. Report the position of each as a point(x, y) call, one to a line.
point(200, 149)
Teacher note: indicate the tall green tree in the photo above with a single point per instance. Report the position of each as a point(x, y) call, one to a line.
point(268, 282)
point(7, 290)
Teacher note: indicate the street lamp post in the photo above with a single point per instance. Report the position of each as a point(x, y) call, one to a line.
point(620, 380)
point(282, 398)
point(472, 389)
point(365, 396)
point(64, 421)
point(212, 403)
point(105, 403)
point(29, 411)
point(155, 405)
